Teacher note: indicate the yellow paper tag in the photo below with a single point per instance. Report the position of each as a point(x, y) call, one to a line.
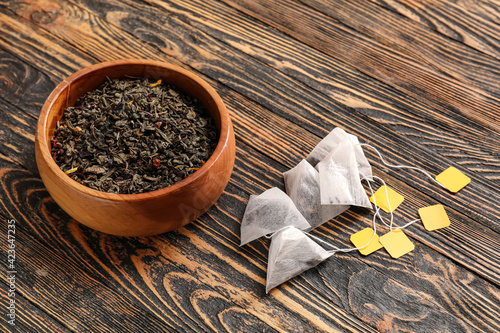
point(381, 199)
point(453, 179)
point(396, 243)
point(434, 217)
point(362, 237)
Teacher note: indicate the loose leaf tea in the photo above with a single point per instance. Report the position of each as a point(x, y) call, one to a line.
point(132, 136)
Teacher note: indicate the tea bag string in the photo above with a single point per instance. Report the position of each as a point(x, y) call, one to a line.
point(377, 209)
point(335, 248)
point(375, 215)
point(345, 250)
point(402, 166)
point(377, 212)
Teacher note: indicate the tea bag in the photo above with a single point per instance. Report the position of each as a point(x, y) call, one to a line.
point(331, 141)
point(290, 254)
point(269, 212)
point(302, 185)
point(339, 178)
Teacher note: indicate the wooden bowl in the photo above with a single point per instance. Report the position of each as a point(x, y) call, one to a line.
point(145, 213)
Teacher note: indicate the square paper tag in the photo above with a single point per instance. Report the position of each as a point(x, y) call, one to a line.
point(434, 217)
point(453, 179)
point(396, 243)
point(380, 196)
point(362, 237)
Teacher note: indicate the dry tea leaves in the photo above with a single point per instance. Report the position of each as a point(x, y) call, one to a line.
point(133, 136)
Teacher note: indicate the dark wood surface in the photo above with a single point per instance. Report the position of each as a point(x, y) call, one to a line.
point(419, 80)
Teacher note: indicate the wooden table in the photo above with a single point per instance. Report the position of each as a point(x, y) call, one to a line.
point(419, 80)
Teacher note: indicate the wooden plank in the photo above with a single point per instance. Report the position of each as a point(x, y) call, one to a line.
point(17, 176)
point(32, 46)
point(28, 317)
point(261, 119)
point(422, 272)
point(148, 273)
point(421, 45)
point(17, 78)
point(65, 273)
point(255, 169)
point(52, 209)
point(64, 291)
point(198, 253)
point(479, 102)
point(414, 154)
point(425, 123)
point(209, 256)
point(413, 274)
point(472, 23)
point(232, 213)
point(50, 14)
point(310, 112)
point(17, 128)
point(478, 156)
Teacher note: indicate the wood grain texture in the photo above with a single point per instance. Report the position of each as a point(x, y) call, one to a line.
point(29, 318)
point(283, 140)
point(457, 60)
point(160, 268)
point(284, 92)
point(66, 283)
point(62, 289)
point(32, 45)
point(37, 199)
point(394, 68)
point(307, 116)
point(369, 127)
point(472, 23)
point(382, 105)
point(17, 128)
point(285, 145)
point(17, 77)
point(236, 215)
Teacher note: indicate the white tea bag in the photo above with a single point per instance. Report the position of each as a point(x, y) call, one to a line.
point(326, 145)
point(364, 167)
point(290, 254)
point(269, 212)
point(302, 185)
point(339, 178)
point(331, 141)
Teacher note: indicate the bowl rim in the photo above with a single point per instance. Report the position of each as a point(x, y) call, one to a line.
point(225, 132)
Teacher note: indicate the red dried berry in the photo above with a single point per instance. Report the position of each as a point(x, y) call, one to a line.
point(156, 163)
point(53, 141)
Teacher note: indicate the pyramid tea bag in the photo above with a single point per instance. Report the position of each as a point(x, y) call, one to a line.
point(364, 167)
point(302, 185)
point(339, 178)
point(269, 212)
point(290, 254)
point(326, 145)
point(331, 141)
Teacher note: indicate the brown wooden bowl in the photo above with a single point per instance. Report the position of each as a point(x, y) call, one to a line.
point(145, 213)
